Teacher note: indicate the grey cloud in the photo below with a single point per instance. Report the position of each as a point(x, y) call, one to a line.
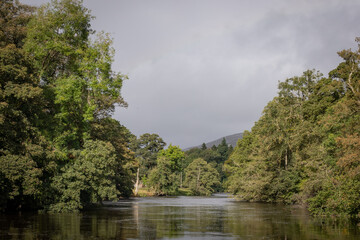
point(203, 69)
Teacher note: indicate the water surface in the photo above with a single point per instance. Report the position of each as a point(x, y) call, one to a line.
point(216, 217)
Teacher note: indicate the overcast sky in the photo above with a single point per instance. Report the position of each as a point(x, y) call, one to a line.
point(203, 69)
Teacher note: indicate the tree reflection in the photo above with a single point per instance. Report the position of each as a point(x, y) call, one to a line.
point(177, 218)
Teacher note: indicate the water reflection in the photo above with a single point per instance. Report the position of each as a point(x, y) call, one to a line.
point(217, 217)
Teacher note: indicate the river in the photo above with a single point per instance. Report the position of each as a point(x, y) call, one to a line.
point(216, 217)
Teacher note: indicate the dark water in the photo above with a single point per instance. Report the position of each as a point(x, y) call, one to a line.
point(216, 217)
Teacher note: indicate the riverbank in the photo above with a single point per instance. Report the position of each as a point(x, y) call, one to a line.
point(148, 192)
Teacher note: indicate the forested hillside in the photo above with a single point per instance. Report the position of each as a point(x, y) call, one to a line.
point(305, 148)
point(230, 140)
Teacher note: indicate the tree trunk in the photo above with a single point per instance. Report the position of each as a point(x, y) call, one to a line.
point(137, 182)
point(198, 180)
point(181, 180)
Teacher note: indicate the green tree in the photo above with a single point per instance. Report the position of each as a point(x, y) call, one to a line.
point(339, 194)
point(280, 145)
point(201, 177)
point(89, 178)
point(57, 92)
point(203, 146)
point(110, 130)
point(304, 148)
point(248, 176)
point(166, 177)
point(25, 155)
point(223, 149)
point(210, 156)
point(163, 179)
point(175, 156)
point(75, 71)
point(146, 149)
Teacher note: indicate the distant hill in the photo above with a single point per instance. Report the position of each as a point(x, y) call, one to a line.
point(231, 139)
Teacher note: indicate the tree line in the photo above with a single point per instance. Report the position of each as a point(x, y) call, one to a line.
point(198, 171)
point(305, 148)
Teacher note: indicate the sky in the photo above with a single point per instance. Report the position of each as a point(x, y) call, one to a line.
point(203, 69)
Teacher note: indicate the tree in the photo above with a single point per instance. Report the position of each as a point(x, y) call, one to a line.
point(111, 131)
point(163, 179)
point(348, 72)
point(25, 155)
point(146, 149)
point(339, 194)
point(281, 143)
point(201, 177)
point(203, 146)
point(90, 177)
point(210, 156)
point(247, 170)
point(74, 70)
point(57, 92)
point(175, 156)
point(304, 148)
point(14, 18)
point(223, 149)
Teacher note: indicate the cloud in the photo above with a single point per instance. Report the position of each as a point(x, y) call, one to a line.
point(200, 70)
point(211, 73)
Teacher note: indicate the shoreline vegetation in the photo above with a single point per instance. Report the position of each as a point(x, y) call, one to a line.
point(148, 192)
point(61, 150)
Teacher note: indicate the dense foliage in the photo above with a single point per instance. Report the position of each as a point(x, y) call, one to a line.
point(146, 149)
point(198, 171)
point(201, 178)
point(305, 147)
point(59, 147)
point(165, 178)
point(215, 156)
